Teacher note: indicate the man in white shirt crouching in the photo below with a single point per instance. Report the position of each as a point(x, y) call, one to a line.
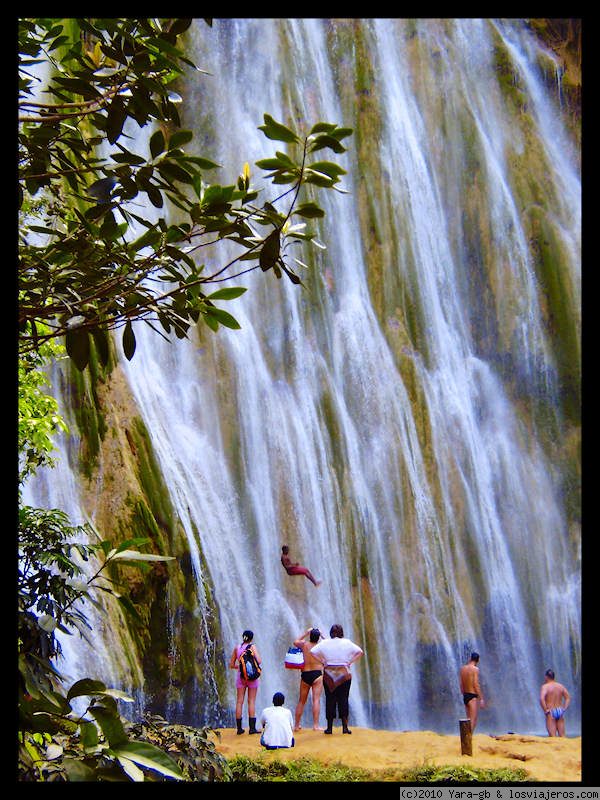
point(277, 724)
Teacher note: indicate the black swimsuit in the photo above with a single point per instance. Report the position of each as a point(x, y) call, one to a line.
point(310, 676)
point(468, 696)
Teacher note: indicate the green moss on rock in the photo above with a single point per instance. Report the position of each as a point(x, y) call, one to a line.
point(552, 268)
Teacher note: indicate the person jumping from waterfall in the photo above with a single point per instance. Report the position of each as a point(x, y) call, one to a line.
point(471, 690)
point(296, 569)
point(554, 700)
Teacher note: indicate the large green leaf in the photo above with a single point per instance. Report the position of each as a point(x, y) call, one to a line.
point(154, 196)
point(341, 133)
point(309, 210)
point(327, 140)
point(227, 294)
point(86, 686)
point(147, 755)
point(179, 138)
point(128, 341)
point(173, 172)
point(272, 163)
point(203, 163)
point(107, 716)
point(270, 250)
point(157, 143)
point(328, 167)
point(77, 343)
point(130, 769)
point(223, 317)
point(277, 131)
point(323, 127)
point(117, 114)
point(180, 25)
point(135, 555)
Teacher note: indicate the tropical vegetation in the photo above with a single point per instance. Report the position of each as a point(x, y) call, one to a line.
point(309, 770)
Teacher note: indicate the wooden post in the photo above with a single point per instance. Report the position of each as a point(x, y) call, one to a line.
point(466, 742)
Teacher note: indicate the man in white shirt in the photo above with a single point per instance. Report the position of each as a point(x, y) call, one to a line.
point(337, 654)
point(277, 724)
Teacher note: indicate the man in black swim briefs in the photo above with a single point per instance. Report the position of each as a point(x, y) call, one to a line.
point(471, 691)
point(311, 678)
point(311, 675)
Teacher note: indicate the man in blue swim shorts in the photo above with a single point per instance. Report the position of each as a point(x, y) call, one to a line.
point(554, 700)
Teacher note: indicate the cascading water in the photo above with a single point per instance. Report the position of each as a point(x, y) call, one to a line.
point(399, 423)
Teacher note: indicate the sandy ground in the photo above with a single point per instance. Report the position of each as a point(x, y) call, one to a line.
point(554, 760)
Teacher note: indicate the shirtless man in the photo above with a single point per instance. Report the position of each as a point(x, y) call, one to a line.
point(295, 569)
point(311, 678)
point(554, 700)
point(471, 691)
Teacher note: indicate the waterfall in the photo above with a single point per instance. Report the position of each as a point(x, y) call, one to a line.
point(401, 423)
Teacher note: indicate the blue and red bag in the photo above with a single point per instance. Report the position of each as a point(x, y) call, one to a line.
point(294, 658)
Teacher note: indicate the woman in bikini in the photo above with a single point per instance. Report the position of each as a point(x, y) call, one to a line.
point(311, 678)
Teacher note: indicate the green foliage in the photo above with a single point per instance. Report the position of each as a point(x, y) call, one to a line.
point(82, 269)
point(39, 419)
point(55, 743)
point(151, 751)
point(50, 581)
point(248, 769)
point(244, 768)
point(430, 773)
point(93, 752)
point(192, 748)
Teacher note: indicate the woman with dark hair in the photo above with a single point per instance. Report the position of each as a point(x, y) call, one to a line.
point(241, 684)
point(336, 654)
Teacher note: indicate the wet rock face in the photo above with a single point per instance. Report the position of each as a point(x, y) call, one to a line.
point(564, 38)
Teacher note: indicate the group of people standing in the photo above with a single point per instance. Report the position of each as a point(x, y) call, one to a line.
point(327, 666)
point(327, 663)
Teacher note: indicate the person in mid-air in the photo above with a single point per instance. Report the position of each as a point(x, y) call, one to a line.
point(296, 569)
